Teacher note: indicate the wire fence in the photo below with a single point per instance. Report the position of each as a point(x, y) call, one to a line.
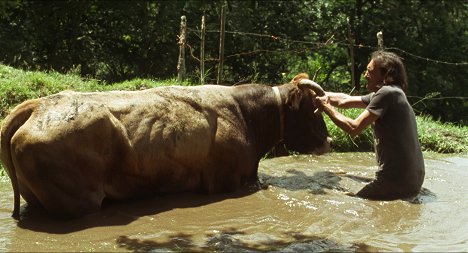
point(310, 45)
point(307, 46)
point(316, 45)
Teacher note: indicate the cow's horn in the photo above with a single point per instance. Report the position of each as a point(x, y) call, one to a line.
point(313, 86)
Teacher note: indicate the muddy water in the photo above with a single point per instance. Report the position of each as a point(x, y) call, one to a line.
point(304, 208)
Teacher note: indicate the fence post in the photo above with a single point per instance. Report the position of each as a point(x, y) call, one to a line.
point(221, 44)
point(351, 53)
point(202, 51)
point(181, 61)
point(380, 40)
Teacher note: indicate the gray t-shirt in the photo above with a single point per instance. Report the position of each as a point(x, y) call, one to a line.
point(398, 151)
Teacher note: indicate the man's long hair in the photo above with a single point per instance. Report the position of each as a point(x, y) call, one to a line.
point(392, 68)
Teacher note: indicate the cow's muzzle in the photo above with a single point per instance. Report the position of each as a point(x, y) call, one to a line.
point(325, 148)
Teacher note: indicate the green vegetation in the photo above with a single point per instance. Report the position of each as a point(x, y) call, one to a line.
point(442, 137)
point(434, 136)
point(342, 142)
point(122, 40)
point(18, 85)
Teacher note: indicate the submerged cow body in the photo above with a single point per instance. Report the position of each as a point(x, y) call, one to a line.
point(69, 151)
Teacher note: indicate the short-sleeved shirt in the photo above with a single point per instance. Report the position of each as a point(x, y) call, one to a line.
point(398, 151)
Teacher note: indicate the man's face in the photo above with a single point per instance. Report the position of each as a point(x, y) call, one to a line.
point(373, 76)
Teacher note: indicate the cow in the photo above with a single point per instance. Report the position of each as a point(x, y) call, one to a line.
point(68, 151)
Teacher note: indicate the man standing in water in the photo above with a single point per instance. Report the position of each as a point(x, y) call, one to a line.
point(399, 158)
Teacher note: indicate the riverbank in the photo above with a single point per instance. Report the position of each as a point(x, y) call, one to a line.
point(18, 85)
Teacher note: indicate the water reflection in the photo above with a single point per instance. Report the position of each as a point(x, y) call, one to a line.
point(303, 207)
point(230, 240)
point(119, 213)
point(296, 180)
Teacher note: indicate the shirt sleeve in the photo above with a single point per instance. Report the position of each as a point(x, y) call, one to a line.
point(367, 98)
point(379, 102)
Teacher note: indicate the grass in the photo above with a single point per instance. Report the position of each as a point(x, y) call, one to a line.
point(18, 85)
point(434, 136)
point(342, 142)
point(442, 137)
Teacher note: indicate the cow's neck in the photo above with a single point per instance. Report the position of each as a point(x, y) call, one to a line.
point(261, 111)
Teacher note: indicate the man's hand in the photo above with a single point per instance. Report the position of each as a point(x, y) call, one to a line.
point(320, 103)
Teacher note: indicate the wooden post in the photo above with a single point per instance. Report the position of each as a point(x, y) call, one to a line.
point(351, 54)
point(221, 44)
point(380, 40)
point(202, 51)
point(181, 61)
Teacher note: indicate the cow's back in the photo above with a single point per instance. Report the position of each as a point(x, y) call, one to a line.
point(77, 148)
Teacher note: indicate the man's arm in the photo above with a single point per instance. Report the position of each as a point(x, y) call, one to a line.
point(342, 100)
point(351, 126)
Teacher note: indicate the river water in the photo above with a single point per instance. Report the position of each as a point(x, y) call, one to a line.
point(303, 207)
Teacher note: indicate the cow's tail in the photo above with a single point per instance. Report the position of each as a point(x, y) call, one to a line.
point(11, 124)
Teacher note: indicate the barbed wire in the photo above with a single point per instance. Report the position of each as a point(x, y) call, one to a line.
point(428, 59)
point(321, 45)
point(257, 51)
point(318, 45)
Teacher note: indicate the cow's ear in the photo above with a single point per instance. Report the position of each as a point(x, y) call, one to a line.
point(294, 98)
point(297, 78)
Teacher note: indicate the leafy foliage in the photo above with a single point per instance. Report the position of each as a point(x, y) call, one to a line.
point(121, 40)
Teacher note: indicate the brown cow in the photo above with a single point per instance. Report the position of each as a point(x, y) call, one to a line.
point(69, 151)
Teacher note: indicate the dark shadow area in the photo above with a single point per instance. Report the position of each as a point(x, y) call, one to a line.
point(228, 241)
point(115, 213)
point(297, 180)
point(278, 151)
point(319, 181)
point(358, 178)
point(424, 196)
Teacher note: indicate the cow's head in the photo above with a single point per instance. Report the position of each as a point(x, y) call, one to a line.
point(304, 129)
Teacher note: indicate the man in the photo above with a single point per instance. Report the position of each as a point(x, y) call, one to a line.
point(399, 158)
